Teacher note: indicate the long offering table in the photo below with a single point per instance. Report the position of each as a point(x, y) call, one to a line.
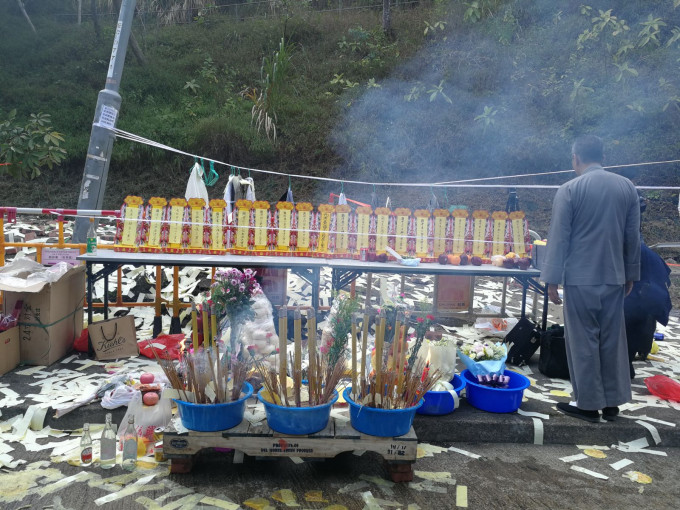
point(309, 268)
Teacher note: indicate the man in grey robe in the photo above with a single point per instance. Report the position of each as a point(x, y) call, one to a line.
point(593, 250)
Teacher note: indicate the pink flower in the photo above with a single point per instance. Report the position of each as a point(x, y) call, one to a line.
point(420, 320)
point(430, 317)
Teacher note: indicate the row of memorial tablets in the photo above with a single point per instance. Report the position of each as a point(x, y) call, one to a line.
point(284, 228)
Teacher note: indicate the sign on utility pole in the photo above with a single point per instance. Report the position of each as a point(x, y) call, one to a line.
point(96, 170)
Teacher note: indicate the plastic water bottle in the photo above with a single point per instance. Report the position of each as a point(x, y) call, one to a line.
point(108, 445)
point(92, 238)
point(86, 447)
point(130, 446)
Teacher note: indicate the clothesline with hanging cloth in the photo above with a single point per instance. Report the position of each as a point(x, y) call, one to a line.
point(464, 183)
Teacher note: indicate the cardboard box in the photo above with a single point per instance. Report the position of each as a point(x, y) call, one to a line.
point(114, 338)
point(538, 254)
point(51, 317)
point(274, 283)
point(452, 294)
point(9, 350)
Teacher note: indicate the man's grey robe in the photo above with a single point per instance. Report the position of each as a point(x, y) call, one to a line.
point(593, 249)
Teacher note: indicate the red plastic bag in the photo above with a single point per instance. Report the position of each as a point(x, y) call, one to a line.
point(80, 343)
point(166, 346)
point(663, 387)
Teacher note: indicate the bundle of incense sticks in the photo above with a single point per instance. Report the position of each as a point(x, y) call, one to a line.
point(322, 377)
point(205, 374)
point(392, 385)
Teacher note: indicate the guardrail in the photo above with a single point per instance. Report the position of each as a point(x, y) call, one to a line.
point(11, 214)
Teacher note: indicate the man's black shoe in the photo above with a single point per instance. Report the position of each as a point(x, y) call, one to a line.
point(610, 413)
point(575, 412)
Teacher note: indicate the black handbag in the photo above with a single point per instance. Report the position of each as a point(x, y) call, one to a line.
point(552, 360)
point(523, 341)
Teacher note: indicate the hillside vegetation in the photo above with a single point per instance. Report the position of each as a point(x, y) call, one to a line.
point(455, 90)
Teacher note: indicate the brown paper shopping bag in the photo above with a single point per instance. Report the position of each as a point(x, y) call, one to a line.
point(114, 338)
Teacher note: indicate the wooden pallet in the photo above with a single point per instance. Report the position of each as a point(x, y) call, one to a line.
point(259, 440)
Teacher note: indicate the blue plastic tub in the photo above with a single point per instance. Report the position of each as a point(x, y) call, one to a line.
point(437, 403)
point(213, 417)
point(297, 420)
point(380, 422)
point(496, 400)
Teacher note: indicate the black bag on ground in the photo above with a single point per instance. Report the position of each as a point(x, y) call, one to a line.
point(523, 341)
point(552, 360)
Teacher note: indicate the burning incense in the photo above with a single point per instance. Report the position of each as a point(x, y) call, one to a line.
point(401, 345)
point(379, 343)
point(297, 360)
point(213, 329)
point(354, 354)
point(206, 327)
point(311, 350)
point(364, 349)
point(283, 350)
point(194, 326)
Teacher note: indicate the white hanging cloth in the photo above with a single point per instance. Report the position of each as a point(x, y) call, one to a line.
point(196, 187)
point(238, 188)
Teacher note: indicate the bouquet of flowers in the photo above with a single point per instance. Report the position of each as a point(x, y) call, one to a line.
point(485, 361)
point(232, 293)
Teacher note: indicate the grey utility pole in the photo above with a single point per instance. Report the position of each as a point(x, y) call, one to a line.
point(96, 170)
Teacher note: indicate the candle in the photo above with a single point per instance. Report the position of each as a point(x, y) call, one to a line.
point(297, 360)
point(283, 350)
point(311, 349)
point(426, 371)
point(354, 356)
point(364, 347)
point(206, 327)
point(194, 326)
point(213, 326)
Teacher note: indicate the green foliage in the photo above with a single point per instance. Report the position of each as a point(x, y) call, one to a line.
point(531, 75)
point(266, 100)
point(487, 118)
point(437, 91)
point(434, 27)
point(650, 31)
point(26, 147)
point(341, 327)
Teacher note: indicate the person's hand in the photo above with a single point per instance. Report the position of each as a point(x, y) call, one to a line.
point(629, 287)
point(553, 295)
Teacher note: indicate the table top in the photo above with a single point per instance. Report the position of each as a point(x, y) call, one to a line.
point(282, 261)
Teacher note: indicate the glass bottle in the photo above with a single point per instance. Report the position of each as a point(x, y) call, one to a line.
point(130, 446)
point(86, 447)
point(108, 445)
point(92, 238)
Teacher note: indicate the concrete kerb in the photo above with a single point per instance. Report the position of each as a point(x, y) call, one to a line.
point(465, 425)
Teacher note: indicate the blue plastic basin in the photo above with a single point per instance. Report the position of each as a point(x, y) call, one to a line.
point(496, 400)
point(380, 422)
point(441, 402)
point(297, 420)
point(213, 417)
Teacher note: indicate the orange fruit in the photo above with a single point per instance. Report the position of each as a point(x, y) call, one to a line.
point(454, 260)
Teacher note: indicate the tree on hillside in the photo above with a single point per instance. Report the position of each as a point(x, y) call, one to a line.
point(23, 11)
point(26, 148)
point(386, 17)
